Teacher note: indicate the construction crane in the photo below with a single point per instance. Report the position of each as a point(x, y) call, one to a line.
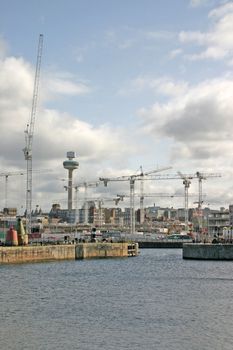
point(132, 179)
point(100, 202)
point(198, 175)
point(87, 185)
point(6, 175)
point(153, 195)
point(142, 175)
point(202, 176)
point(150, 177)
point(186, 183)
point(29, 137)
point(16, 173)
point(84, 185)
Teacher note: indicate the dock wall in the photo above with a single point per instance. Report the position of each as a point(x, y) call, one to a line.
point(36, 253)
point(201, 251)
point(25, 254)
point(105, 250)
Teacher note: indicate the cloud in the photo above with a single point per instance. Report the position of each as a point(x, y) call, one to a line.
point(55, 132)
point(91, 144)
point(175, 53)
point(197, 3)
point(222, 10)
point(218, 41)
point(163, 86)
point(198, 122)
point(65, 87)
point(16, 86)
point(63, 83)
point(160, 35)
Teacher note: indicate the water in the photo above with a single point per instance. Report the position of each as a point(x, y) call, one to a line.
point(154, 301)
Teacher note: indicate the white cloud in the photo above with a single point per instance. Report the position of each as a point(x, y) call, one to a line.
point(55, 132)
point(214, 53)
point(13, 74)
point(66, 87)
point(198, 122)
point(92, 144)
point(175, 53)
point(16, 86)
point(221, 10)
point(163, 86)
point(197, 3)
point(200, 38)
point(218, 40)
point(63, 83)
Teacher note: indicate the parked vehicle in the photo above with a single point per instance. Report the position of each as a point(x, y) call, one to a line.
point(179, 237)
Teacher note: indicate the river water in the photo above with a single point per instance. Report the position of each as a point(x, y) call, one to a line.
point(154, 301)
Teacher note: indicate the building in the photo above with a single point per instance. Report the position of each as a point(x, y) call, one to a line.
point(231, 214)
point(10, 211)
point(217, 220)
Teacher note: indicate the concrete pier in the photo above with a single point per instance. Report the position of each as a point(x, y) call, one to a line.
point(208, 251)
point(105, 250)
point(23, 254)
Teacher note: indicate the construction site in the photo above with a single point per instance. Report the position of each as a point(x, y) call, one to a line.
point(108, 213)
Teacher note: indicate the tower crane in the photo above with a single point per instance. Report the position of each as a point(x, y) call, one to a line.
point(186, 182)
point(153, 195)
point(142, 174)
point(132, 179)
point(6, 175)
point(84, 185)
point(100, 202)
point(16, 173)
point(202, 176)
point(29, 137)
point(87, 185)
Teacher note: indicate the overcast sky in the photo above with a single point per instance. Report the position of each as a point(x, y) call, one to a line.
point(124, 84)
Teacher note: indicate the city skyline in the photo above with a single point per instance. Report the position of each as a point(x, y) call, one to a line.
point(123, 85)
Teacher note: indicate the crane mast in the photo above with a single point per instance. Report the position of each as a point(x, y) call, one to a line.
point(142, 177)
point(148, 176)
point(132, 178)
point(29, 137)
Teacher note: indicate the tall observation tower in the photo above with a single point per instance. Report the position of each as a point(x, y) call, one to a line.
point(70, 164)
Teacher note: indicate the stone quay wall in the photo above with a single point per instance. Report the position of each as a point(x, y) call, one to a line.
point(105, 250)
point(24, 254)
point(208, 251)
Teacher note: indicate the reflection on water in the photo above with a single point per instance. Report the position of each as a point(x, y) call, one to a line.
point(154, 301)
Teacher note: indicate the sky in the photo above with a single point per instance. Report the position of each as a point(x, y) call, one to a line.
point(123, 83)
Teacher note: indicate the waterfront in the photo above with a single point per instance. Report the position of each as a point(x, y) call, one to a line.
point(154, 301)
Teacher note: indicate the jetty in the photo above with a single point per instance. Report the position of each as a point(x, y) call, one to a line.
point(40, 253)
point(208, 251)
